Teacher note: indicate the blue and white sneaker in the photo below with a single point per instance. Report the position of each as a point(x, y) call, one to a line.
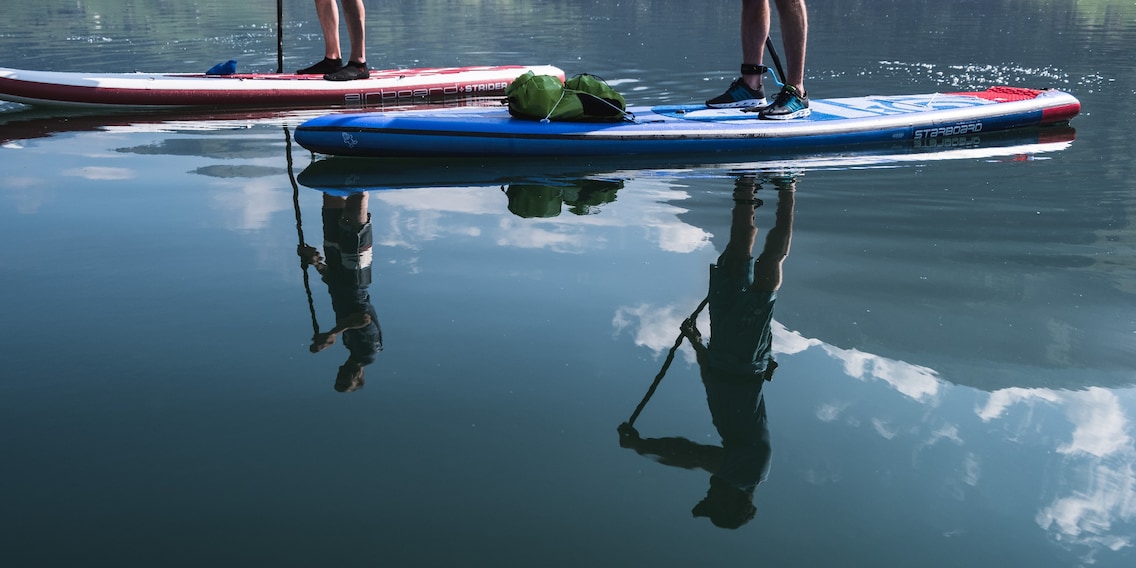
point(789, 104)
point(739, 95)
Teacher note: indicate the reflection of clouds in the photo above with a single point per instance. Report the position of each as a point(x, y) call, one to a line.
point(250, 202)
point(651, 327)
point(1096, 507)
point(1087, 516)
point(680, 237)
point(1100, 465)
point(468, 200)
point(914, 381)
point(657, 328)
point(883, 428)
point(1101, 426)
point(645, 208)
point(972, 469)
point(28, 193)
point(830, 411)
point(947, 432)
point(540, 236)
point(1001, 400)
point(101, 173)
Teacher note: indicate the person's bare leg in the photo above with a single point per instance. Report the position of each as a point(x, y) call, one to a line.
point(355, 15)
point(755, 28)
point(328, 13)
point(794, 36)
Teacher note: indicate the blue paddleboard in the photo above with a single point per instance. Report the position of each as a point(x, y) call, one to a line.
point(687, 129)
point(339, 175)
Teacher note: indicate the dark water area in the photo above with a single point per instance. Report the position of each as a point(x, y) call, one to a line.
point(954, 334)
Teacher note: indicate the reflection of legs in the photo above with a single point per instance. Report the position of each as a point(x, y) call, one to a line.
point(352, 211)
point(767, 269)
point(355, 210)
point(743, 232)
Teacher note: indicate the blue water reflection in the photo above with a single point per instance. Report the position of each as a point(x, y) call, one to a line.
point(953, 333)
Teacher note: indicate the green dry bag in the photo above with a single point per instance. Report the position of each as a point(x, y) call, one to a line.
point(582, 98)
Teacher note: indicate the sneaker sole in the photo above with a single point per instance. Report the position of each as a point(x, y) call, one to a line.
point(748, 103)
point(788, 116)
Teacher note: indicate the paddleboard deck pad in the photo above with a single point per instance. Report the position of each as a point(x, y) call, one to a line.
point(922, 119)
point(157, 90)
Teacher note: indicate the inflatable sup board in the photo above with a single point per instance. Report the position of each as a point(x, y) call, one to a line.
point(688, 129)
point(265, 90)
point(344, 175)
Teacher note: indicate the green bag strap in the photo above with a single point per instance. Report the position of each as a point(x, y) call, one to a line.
point(556, 104)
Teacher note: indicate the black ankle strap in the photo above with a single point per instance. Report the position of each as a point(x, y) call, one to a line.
point(751, 69)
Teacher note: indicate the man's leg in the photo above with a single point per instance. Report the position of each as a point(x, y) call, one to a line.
point(355, 15)
point(328, 13)
point(794, 35)
point(793, 101)
point(755, 28)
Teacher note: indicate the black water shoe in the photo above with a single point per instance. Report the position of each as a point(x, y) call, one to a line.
point(324, 67)
point(350, 72)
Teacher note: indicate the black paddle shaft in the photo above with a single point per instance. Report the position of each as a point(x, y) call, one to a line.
point(279, 36)
point(776, 58)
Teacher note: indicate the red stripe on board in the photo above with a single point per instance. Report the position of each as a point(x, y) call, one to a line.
point(433, 84)
point(1003, 94)
point(1063, 113)
point(375, 73)
point(268, 96)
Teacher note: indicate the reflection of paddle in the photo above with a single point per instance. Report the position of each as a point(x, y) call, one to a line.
point(666, 364)
point(300, 229)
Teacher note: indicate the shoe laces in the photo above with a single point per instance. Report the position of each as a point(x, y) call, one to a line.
point(787, 94)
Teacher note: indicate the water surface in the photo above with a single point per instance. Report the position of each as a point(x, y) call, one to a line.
point(955, 332)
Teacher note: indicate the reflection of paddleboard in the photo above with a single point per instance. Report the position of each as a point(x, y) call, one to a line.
point(40, 122)
point(155, 90)
point(924, 119)
point(340, 175)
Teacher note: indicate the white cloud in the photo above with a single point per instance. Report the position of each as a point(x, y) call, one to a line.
point(100, 173)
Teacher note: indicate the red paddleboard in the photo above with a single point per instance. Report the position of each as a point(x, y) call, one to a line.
point(265, 90)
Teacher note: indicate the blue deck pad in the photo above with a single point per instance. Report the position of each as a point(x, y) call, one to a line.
point(834, 109)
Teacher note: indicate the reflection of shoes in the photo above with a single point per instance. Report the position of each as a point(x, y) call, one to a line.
point(739, 95)
point(745, 190)
point(746, 182)
point(324, 67)
point(350, 72)
point(783, 183)
point(789, 104)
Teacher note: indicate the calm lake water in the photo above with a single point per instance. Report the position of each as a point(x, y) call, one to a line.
point(955, 332)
